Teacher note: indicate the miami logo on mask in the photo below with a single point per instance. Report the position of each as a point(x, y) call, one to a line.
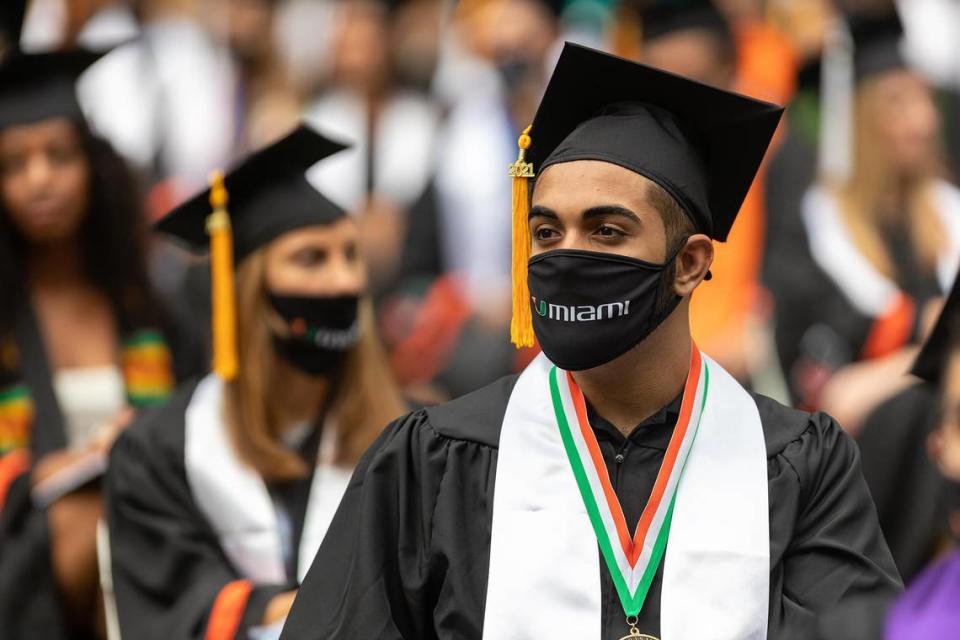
point(580, 313)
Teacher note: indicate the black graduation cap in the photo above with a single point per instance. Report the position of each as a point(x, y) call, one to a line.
point(660, 18)
point(40, 86)
point(877, 42)
point(269, 194)
point(700, 143)
point(12, 13)
point(946, 334)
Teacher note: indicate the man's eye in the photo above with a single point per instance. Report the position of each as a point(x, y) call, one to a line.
point(545, 233)
point(609, 232)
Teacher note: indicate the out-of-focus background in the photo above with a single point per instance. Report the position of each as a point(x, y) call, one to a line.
point(835, 267)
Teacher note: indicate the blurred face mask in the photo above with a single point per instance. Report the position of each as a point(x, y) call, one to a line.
point(515, 71)
point(320, 330)
point(591, 307)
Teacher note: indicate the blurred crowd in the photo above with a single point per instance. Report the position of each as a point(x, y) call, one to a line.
point(833, 274)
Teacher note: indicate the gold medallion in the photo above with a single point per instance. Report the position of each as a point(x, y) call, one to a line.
point(634, 632)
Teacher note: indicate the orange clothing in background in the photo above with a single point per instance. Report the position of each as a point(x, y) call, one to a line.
point(721, 307)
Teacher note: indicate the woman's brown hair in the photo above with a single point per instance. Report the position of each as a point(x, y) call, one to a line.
point(862, 196)
point(363, 399)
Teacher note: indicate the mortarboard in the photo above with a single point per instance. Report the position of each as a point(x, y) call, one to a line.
point(269, 195)
point(877, 42)
point(702, 144)
point(12, 13)
point(40, 86)
point(946, 332)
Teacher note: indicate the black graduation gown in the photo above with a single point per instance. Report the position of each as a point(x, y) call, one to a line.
point(168, 565)
point(913, 499)
point(817, 326)
point(30, 605)
point(407, 554)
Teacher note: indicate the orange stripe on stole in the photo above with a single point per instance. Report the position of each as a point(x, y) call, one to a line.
point(892, 330)
point(12, 466)
point(228, 609)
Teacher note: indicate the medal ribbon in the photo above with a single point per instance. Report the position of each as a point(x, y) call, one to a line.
point(632, 561)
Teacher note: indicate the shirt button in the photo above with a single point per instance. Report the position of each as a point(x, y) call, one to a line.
point(619, 459)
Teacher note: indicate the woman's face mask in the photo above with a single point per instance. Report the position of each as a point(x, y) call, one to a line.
point(319, 330)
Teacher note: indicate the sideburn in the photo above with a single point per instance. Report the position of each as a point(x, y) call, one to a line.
point(665, 294)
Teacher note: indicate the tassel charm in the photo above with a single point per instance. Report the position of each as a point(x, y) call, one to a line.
point(521, 324)
point(224, 300)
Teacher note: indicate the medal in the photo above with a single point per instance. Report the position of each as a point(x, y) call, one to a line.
point(634, 632)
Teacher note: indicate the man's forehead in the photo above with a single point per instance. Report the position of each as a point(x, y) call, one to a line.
point(589, 178)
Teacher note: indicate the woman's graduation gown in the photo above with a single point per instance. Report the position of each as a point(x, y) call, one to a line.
point(183, 564)
point(30, 604)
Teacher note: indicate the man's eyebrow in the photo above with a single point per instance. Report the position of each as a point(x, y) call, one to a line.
point(606, 210)
point(543, 212)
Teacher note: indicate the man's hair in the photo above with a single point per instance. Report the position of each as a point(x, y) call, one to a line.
point(678, 226)
point(676, 222)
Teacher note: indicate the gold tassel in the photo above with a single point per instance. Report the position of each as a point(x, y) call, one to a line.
point(224, 302)
point(521, 325)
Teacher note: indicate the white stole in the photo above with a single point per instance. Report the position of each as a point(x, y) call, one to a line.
point(544, 576)
point(234, 497)
point(833, 249)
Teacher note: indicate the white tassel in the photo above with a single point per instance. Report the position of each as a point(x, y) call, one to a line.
point(836, 105)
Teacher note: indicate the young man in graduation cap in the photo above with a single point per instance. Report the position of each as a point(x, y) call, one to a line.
point(624, 485)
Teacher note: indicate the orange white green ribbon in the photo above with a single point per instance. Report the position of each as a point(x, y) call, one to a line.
point(632, 561)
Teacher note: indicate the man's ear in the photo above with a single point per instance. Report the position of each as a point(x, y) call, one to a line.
point(692, 264)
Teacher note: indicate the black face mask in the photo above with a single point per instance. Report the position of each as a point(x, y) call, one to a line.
point(321, 330)
point(590, 307)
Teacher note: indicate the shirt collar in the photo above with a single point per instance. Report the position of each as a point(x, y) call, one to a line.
point(654, 432)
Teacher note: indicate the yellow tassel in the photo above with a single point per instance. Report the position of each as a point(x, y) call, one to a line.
point(521, 325)
point(224, 302)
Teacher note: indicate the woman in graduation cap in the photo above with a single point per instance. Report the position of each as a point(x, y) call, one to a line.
point(881, 229)
point(218, 502)
point(83, 341)
point(624, 485)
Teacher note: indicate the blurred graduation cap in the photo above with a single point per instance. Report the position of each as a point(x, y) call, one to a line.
point(877, 42)
point(702, 144)
point(661, 18)
point(40, 86)
point(860, 45)
point(269, 195)
point(944, 337)
point(12, 13)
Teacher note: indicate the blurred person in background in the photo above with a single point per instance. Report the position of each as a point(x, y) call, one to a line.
point(84, 341)
point(263, 95)
point(913, 500)
point(792, 166)
point(913, 441)
point(394, 123)
point(218, 501)
point(882, 242)
point(695, 39)
point(164, 96)
point(453, 304)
